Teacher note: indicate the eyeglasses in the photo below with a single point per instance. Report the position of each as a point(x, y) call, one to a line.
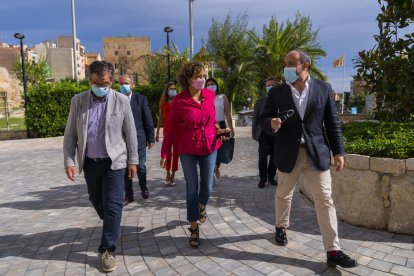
point(283, 115)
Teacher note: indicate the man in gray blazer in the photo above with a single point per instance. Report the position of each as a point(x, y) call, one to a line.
point(267, 169)
point(101, 132)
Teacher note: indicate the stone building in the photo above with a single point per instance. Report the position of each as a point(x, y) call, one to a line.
point(128, 54)
point(89, 58)
point(9, 56)
point(59, 57)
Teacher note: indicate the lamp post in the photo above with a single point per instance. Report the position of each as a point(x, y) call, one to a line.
point(75, 64)
point(190, 9)
point(20, 36)
point(168, 30)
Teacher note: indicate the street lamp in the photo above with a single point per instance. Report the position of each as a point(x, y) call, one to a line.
point(168, 30)
point(20, 36)
point(190, 10)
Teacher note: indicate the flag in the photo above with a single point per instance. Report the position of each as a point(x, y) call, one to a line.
point(339, 62)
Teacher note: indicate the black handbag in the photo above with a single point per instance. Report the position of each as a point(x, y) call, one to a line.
point(225, 152)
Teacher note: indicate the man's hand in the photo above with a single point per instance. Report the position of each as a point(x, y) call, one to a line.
point(339, 162)
point(162, 162)
point(276, 123)
point(71, 172)
point(150, 145)
point(132, 171)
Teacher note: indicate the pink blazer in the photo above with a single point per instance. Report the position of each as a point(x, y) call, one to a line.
point(191, 125)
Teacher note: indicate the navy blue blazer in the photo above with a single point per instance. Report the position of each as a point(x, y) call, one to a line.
point(143, 120)
point(320, 126)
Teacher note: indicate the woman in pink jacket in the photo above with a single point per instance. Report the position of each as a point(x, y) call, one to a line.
point(194, 127)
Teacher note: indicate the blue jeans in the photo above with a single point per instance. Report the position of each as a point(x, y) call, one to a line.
point(196, 193)
point(142, 175)
point(106, 190)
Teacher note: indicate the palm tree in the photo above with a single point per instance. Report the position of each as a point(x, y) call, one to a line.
point(278, 40)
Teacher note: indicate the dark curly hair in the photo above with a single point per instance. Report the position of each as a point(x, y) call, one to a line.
point(187, 71)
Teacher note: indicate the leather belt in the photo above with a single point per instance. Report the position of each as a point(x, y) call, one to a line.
point(97, 160)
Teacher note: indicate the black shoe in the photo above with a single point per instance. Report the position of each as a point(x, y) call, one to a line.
point(127, 201)
point(261, 183)
point(272, 182)
point(145, 194)
point(280, 236)
point(340, 259)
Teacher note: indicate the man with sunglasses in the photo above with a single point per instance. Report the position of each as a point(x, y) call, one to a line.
point(304, 142)
point(267, 169)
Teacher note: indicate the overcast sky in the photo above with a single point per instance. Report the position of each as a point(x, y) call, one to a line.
point(345, 26)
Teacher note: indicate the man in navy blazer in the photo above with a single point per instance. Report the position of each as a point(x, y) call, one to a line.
point(145, 135)
point(302, 116)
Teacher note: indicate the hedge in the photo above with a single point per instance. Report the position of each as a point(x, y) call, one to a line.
point(379, 139)
point(48, 105)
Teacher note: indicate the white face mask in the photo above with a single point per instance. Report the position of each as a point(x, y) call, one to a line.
point(212, 87)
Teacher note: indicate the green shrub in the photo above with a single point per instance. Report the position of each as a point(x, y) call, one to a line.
point(48, 105)
point(379, 139)
point(153, 94)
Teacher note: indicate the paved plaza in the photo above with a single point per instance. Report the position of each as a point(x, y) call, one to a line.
point(48, 226)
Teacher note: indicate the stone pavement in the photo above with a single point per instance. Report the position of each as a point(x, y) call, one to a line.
point(48, 227)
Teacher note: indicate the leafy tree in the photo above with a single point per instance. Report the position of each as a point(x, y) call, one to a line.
point(230, 48)
point(279, 39)
point(157, 66)
point(36, 72)
point(388, 67)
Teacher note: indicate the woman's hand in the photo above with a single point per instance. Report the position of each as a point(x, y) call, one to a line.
point(223, 134)
point(162, 162)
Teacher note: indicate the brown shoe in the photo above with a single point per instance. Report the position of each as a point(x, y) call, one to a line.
point(108, 261)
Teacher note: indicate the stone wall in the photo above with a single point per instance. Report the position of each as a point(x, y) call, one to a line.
point(374, 192)
point(11, 85)
point(12, 134)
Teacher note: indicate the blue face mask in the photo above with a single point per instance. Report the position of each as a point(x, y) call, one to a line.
point(172, 93)
point(125, 89)
point(268, 88)
point(100, 91)
point(290, 74)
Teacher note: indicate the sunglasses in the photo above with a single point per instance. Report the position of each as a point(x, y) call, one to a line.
point(283, 115)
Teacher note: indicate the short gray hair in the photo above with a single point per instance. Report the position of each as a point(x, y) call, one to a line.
point(127, 76)
point(304, 57)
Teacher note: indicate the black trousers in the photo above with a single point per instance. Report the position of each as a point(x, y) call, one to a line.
point(267, 169)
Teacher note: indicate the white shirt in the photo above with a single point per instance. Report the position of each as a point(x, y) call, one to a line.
point(301, 100)
point(219, 105)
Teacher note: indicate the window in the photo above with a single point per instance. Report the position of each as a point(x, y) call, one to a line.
point(116, 53)
point(128, 53)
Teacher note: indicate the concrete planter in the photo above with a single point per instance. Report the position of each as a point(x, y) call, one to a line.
point(374, 192)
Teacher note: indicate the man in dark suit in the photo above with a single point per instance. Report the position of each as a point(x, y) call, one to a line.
point(145, 135)
point(301, 114)
point(267, 169)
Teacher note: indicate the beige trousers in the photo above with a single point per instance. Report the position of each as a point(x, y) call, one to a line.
point(319, 183)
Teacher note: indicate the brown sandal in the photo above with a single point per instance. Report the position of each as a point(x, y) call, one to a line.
point(195, 236)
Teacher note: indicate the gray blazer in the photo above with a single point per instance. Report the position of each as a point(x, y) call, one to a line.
point(120, 137)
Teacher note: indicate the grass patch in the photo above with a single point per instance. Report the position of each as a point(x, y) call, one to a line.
point(14, 123)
